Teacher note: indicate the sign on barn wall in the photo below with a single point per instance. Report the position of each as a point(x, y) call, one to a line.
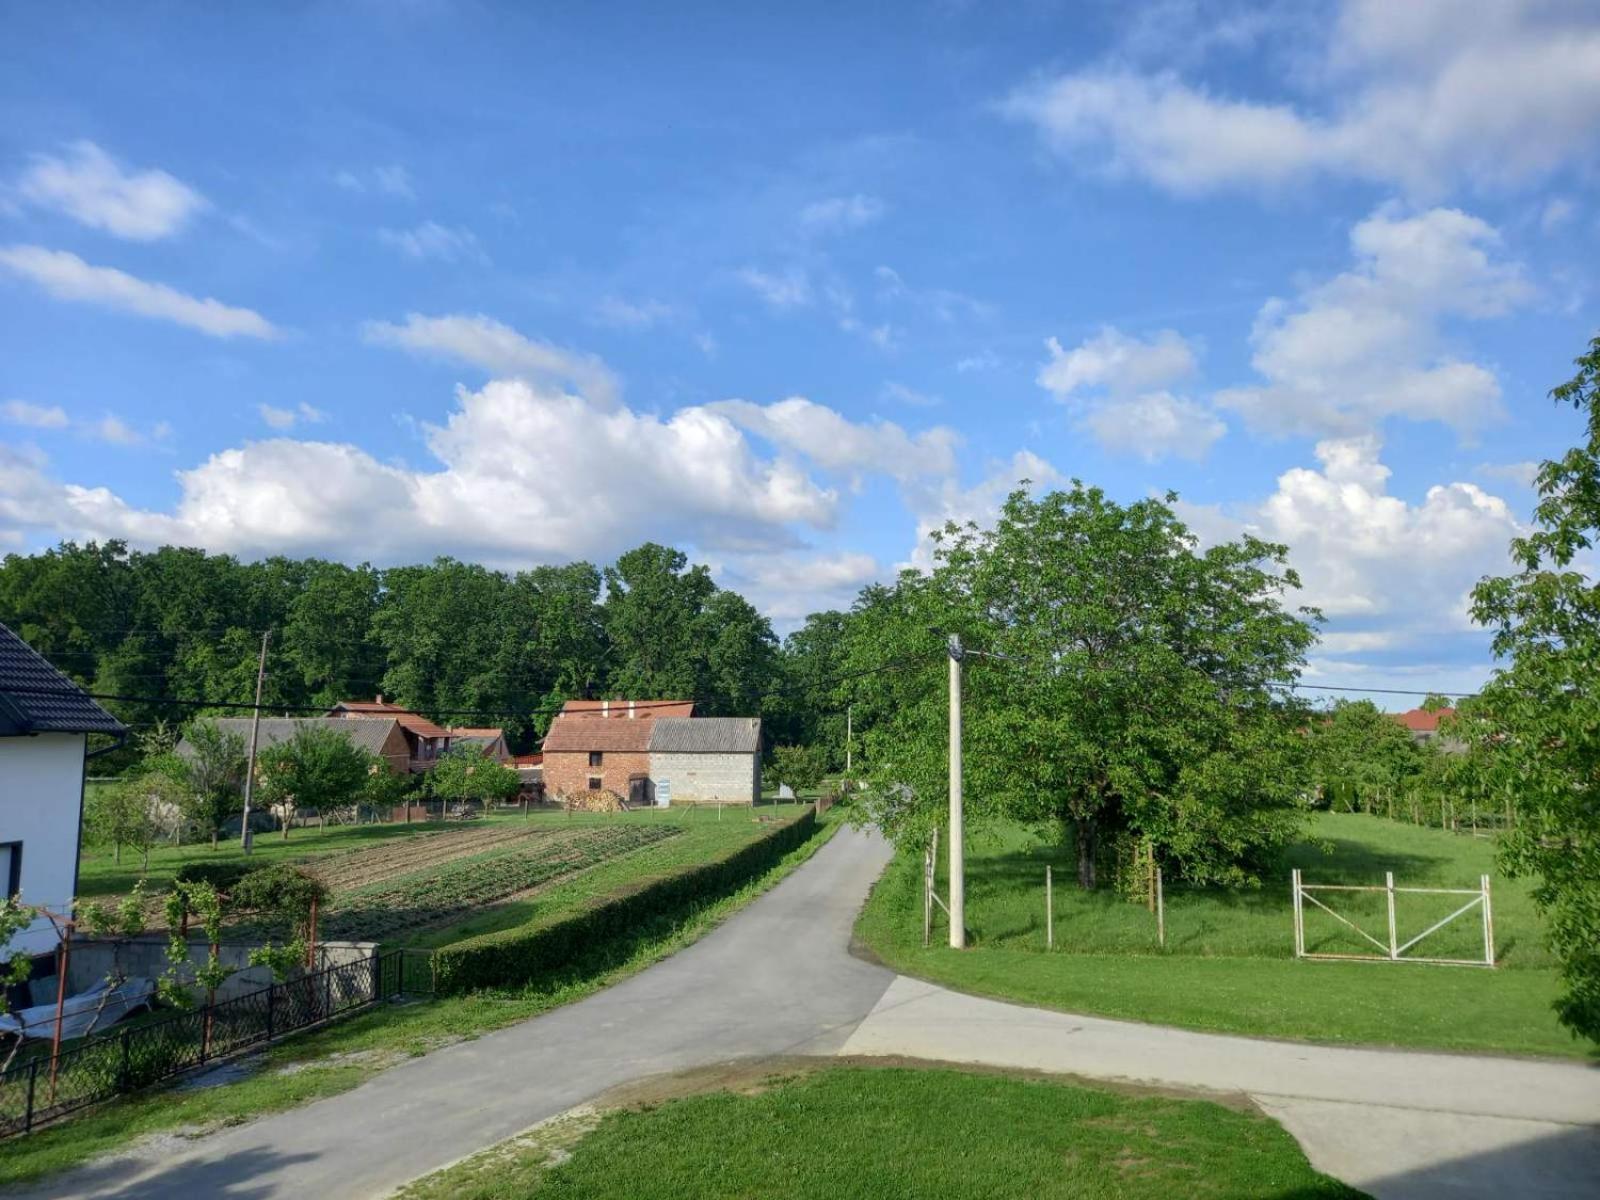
point(663, 793)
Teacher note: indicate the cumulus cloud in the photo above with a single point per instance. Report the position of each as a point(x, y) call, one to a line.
point(433, 240)
point(67, 277)
point(499, 350)
point(938, 503)
point(521, 474)
point(34, 416)
point(1369, 343)
point(1409, 94)
point(1119, 385)
point(92, 188)
point(840, 214)
point(115, 431)
point(788, 587)
point(831, 441)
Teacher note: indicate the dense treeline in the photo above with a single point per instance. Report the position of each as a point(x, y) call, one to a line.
point(181, 624)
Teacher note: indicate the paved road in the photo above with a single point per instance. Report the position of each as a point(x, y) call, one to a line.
point(777, 979)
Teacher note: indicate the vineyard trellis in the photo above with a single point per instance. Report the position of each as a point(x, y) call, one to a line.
point(1394, 950)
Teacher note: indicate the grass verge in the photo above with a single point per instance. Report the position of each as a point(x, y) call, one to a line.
point(343, 1055)
point(891, 1132)
point(1228, 966)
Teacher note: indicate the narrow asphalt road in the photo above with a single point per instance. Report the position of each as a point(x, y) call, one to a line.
point(777, 979)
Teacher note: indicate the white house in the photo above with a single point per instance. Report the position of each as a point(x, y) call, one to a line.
point(45, 723)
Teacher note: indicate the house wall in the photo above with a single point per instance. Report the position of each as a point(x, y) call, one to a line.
point(709, 778)
point(41, 799)
point(570, 772)
point(396, 752)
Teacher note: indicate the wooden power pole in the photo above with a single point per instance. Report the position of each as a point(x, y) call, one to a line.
point(255, 734)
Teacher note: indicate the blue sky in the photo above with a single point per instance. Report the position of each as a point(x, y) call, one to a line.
point(523, 284)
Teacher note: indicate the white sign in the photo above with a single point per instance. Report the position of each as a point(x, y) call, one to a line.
point(663, 793)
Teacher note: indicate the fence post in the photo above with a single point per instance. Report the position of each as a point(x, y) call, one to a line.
point(1049, 910)
point(327, 992)
point(927, 894)
point(1299, 918)
point(1488, 923)
point(124, 1062)
point(1161, 911)
point(377, 976)
point(33, 1083)
point(272, 1003)
point(1394, 943)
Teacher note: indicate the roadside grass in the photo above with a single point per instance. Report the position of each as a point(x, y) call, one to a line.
point(344, 1054)
point(1228, 965)
point(888, 1132)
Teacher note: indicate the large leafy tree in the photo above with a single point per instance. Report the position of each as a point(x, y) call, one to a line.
point(319, 767)
point(1540, 714)
point(213, 775)
point(1359, 751)
point(654, 601)
point(1124, 681)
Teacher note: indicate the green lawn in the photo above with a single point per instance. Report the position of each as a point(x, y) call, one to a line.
point(1228, 964)
point(884, 1133)
point(340, 1056)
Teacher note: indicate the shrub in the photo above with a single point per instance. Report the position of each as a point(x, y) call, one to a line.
point(516, 957)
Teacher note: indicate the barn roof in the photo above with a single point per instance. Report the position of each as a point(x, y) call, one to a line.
point(368, 734)
point(37, 698)
point(579, 735)
point(705, 735)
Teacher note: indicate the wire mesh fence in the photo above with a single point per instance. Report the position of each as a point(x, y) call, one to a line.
point(43, 1087)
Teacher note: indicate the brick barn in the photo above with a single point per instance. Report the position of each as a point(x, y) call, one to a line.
point(634, 747)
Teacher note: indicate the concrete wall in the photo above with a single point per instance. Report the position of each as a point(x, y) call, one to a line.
point(146, 957)
point(709, 778)
point(41, 796)
point(565, 773)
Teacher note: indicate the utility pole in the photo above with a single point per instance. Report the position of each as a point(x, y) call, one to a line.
point(849, 731)
point(958, 884)
point(255, 733)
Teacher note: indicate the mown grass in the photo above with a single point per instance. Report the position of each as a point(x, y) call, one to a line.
point(342, 1055)
point(859, 1133)
point(1228, 964)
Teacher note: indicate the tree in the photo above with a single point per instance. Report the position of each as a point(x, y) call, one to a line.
point(1358, 751)
point(1133, 684)
point(654, 600)
point(801, 767)
point(466, 774)
point(212, 774)
point(1540, 714)
point(133, 812)
point(318, 768)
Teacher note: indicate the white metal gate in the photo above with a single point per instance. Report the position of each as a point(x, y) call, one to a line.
point(1394, 950)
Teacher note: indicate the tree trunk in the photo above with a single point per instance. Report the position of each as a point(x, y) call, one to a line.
point(1086, 837)
point(213, 837)
point(116, 853)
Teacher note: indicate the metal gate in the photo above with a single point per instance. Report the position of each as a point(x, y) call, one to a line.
point(1392, 949)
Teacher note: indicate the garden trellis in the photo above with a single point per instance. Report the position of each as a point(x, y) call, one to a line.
point(1392, 949)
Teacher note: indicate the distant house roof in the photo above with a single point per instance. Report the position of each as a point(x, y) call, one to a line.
point(705, 735)
point(410, 721)
point(628, 708)
point(1420, 720)
point(370, 735)
point(37, 698)
point(462, 732)
point(578, 735)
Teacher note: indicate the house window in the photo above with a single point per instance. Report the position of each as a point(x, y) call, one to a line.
point(11, 867)
point(596, 758)
point(595, 783)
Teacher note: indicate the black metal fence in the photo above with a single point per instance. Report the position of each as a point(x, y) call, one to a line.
point(123, 1060)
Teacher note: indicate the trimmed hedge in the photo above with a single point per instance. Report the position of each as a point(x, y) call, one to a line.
point(512, 958)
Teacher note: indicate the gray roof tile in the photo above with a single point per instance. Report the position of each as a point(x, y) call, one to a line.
point(37, 698)
point(705, 735)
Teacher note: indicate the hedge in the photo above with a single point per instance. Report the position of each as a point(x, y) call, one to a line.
point(516, 957)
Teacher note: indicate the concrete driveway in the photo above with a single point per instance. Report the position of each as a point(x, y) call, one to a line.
point(778, 979)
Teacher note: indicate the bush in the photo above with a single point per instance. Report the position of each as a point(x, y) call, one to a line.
point(516, 957)
point(221, 876)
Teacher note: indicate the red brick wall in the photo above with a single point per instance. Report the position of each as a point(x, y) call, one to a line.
point(565, 773)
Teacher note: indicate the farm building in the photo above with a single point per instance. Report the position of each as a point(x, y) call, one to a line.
point(385, 738)
point(491, 741)
point(425, 741)
point(45, 723)
point(629, 748)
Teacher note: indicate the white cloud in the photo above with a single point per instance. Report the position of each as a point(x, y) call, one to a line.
point(116, 432)
point(899, 393)
point(1119, 386)
point(287, 418)
point(984, 360)
point(832, 441)
point(34, 416)
point(393, 180)
point(1410, 94)
point(938, 504)
point(1373, 562)
point(433, 240)
point(626, 314)
point(943, 304)
point(522, 474)
point(498, 349)
point(1558, 210)
point(1368, 344)
point(790, 586)
point(792, 289)
point(67, 277)
point(90, 186)
point(840, 214)
point(1522, 473)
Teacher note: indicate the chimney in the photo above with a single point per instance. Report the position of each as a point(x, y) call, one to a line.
point(380, 697)
point(605, 708)
point(630, 710)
